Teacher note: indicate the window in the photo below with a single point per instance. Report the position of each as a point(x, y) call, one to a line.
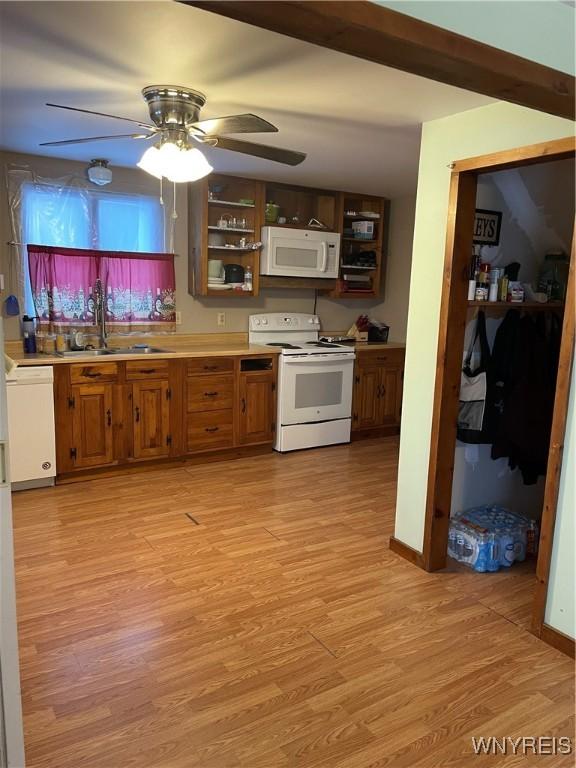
point(76, 217)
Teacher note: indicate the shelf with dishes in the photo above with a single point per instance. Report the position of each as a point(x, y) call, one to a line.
point(504, 306)
point(362, 253)
point(249, 248)
point(216, 228)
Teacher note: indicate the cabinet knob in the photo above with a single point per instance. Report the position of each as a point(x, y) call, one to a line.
point(243, 405)
point(210, 394)
point(137, 413)
point(211, 429)
point(109, 417)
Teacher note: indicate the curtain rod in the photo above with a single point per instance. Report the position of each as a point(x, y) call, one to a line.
point(14, 244)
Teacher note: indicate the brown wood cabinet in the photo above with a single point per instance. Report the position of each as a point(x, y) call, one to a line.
point(129, 412)
point(257, 413)
point(91, 414)
point(378, 381)
point(240, 204)
point(151, 419)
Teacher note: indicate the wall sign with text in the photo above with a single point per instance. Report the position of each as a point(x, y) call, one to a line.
point(487, 226)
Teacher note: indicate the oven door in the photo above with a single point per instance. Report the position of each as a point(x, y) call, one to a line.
point(315, 387)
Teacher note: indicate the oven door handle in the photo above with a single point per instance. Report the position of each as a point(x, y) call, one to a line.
point(317, 359)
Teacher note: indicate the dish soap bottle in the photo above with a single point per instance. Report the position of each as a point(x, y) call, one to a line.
point(247, 279)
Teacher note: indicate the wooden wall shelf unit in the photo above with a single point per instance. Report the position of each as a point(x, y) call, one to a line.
point(362, 261)
point(219, 195)
point(211, 199)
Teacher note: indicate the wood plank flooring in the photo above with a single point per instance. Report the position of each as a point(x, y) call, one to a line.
point(250, 614)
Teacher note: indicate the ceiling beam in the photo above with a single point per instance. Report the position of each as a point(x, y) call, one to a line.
point(372, 32)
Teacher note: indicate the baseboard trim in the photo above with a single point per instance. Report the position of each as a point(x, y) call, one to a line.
point(558, 640)
point(367, 434)
point(399, 548)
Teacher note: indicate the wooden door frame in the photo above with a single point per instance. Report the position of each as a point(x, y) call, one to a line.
point(452, 325)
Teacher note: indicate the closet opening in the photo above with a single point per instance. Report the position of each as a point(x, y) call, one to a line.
point(505, 350)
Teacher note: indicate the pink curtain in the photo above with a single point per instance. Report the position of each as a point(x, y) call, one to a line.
point(140, 288)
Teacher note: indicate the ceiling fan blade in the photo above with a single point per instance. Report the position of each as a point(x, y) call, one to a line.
point(97, 138)
point(101, 114)
point(277, 154)
point(247, 123)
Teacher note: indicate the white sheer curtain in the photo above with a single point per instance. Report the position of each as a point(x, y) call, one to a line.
point(69, 212)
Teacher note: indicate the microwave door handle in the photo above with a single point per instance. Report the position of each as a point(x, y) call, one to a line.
point(324, 263)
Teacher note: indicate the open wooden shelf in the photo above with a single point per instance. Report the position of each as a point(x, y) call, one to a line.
point(232, 248)
point(359, 240)
point(505, 305)
point(230, 229)
point(229, 203)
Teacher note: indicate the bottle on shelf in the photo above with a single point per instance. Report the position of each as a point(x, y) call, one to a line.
point(247, 279)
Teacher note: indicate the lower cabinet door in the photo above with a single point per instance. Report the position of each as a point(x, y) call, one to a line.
point(367, 399)
point(257, 411)
point(151, 418)
point(391, 395)
point(92, 425)
point(209, 430)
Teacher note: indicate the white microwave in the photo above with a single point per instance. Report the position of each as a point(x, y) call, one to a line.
point(299, 252)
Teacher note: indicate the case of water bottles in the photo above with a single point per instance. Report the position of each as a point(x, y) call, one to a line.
point(490, 537)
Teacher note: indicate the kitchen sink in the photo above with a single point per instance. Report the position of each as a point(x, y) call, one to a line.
point(137, 351)
point(84, 353)
point(108, 352)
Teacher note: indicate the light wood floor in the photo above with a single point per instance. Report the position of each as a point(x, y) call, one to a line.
point(249, 613)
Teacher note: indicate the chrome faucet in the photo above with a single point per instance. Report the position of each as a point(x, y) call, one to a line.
point(100, 312)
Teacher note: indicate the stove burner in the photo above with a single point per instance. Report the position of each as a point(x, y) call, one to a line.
point(323, 344)
point(282, 345)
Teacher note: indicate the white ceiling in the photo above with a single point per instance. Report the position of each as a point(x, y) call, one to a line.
point(359, 122)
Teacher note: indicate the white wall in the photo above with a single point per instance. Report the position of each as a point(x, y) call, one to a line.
point(199, 313)
point(488, 129)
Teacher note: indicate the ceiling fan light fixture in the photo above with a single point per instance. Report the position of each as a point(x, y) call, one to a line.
point(177, 164)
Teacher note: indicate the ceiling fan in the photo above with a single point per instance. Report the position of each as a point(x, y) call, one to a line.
point(175, 113)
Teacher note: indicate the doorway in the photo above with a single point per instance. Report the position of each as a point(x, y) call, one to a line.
point(454, 318)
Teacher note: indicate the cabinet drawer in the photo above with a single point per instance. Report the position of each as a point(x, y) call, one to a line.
point(89, 372)
point(198, 365)
point(209, 430)
point(146, 369)
point(210, 393)
point(380, 357)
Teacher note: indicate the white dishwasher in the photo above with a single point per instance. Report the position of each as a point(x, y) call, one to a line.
point(31, 434)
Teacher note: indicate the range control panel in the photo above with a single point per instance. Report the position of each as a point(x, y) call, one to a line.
point(277, 321)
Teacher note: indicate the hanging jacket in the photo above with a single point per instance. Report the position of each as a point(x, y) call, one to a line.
point(524, 364)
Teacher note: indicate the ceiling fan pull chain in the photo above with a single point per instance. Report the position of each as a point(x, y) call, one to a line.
point(173, 217)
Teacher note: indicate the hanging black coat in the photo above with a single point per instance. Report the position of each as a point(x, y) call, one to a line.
point(524, 365)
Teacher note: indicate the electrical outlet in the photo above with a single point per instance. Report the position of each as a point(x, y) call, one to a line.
point(178, 318)
point(220, 319)
point(1, 282)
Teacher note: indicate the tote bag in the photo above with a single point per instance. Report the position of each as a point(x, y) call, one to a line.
point(474, 385)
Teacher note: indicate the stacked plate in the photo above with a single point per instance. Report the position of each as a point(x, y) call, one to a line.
point(218, 284)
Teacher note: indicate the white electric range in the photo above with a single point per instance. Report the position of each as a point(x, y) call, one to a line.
point(315, 380)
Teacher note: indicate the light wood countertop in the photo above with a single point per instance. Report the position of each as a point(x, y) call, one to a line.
point(193, 350)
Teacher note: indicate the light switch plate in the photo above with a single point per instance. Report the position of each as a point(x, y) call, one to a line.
point(178, 318)
point(221, 319)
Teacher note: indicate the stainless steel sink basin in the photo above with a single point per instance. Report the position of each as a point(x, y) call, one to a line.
point(118, 351)
point(84, 353)
point(137, 351)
